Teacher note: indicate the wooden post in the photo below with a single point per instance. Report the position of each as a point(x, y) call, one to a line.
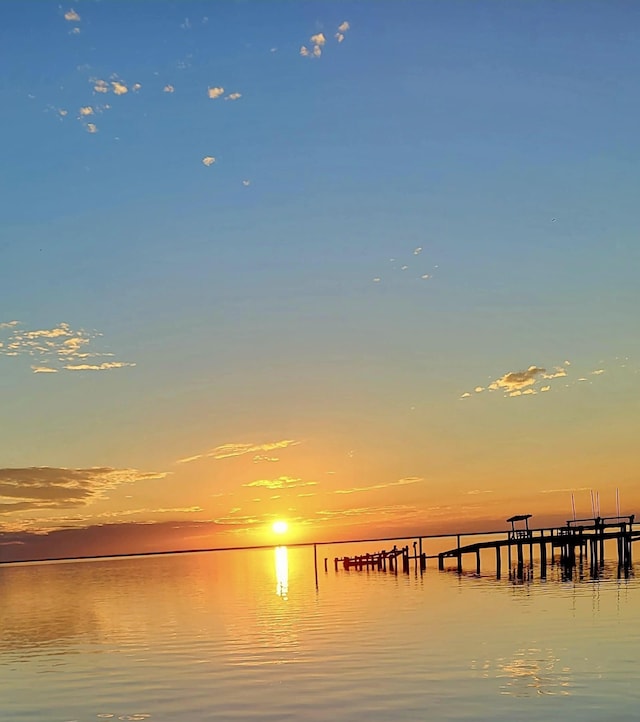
point(498, 561)
point(459, 556)
point(478, 561)
point(543, 560)
point(440, 562)
point(520, 560)
point(325, 565)
point(423, 559)
point(315, 563)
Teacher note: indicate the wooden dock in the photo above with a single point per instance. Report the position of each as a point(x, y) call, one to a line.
point(382, 560)
point(580, 541)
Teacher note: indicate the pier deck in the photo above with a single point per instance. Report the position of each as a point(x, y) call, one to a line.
point(579, 539)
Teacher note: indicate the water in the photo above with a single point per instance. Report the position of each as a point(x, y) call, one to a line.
point(246, 636)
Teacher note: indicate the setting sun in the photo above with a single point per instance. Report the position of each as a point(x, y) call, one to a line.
point(279, 527)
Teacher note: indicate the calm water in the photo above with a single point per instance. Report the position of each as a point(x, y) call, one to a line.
point(246, 636)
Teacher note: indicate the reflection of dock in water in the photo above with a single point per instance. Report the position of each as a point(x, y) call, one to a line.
point(578, 543)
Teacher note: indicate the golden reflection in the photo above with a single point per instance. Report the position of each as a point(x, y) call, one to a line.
point(532, 671)
point(282, 572)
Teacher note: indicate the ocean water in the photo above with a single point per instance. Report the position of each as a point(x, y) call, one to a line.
point(248, 636)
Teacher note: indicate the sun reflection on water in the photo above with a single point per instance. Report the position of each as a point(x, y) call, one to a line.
point(282, 572)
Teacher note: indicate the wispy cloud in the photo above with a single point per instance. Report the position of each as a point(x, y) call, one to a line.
point(400, 482)
point(225, 451)
point(516, 380)
point(566, 490)
point(233, 96)
point(363, 514)
point(258, 458)
point(99, 86)
point(282, 482)
point(9, 324)
point(47, 487)
point(105, 366)
point(59, 347)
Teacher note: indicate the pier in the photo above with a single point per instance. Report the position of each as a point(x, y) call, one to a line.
point(381, 560)
point(579, 544)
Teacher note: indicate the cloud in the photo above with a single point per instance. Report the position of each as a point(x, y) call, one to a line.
point(215, 92)
point(474, 492)
point(72, 16)
point(318, 39)
point(398, 511)
point(545, 388)
point(9, 324)
point(304, 51)
point(557, 373)
point(86, 110)
point(168, 89)
point(465, 395)
point(258, 458)
point(317, 51)
point(208, 160)
point(597, 372)
point(282, 482)
point(105, 366)
point(119, 88)
point(417, 250)
point(339, 37)
point(92, 128)
point(136, 87)
point(343, 27)
point(566, 490)
point(60, 346)
point(400, 482)
point(246, 183)
point(233, 96)
point(99, 86)
point(44, 487)
point(226, 451)
point(516, 380)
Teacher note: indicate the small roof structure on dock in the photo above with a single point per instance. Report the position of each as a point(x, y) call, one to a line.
point(519, 517)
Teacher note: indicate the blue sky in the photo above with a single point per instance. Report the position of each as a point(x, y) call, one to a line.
point(490, 148)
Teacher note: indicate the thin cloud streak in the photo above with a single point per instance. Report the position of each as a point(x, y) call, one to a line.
point(226, 451)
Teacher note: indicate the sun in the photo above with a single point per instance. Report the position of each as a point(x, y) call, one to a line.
point(279, 527)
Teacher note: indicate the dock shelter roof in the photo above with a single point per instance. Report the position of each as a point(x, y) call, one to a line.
point(519, 517)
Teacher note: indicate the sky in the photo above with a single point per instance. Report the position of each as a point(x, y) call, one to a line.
point(366, 267)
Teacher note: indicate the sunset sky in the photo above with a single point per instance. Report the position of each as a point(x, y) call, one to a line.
point(367, 267)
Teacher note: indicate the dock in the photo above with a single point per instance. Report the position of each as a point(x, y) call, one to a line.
point(381, 560)
point(580, 541)
point(576, 545)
